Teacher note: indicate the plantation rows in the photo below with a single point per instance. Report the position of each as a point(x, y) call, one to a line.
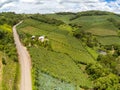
point(61, 61)
point(77, 55)
point(109, 40)
point(59, 66)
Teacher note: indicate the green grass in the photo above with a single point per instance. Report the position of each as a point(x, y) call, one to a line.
point(34, 27)
point(92, 52)
point(33, 31)
point(9, 74)
point(102, 32)
point(37, 24)
point(59, 66)
point(109, 40)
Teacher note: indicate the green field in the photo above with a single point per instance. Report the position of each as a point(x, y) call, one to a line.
point(109, 40)
point(97, 25)
point(63, 64)
point(64, 55)
point(57, 65)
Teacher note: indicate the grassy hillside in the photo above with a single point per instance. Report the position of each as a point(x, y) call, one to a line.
point(56, 60)
point(81, 50)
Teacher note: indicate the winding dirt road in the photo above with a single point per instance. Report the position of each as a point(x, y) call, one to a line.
point(25, 62)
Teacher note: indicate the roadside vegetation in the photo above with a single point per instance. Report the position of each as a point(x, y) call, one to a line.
point(81, 51)
point(9, 67)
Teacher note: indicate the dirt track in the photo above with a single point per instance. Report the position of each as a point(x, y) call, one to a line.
point(25, 62)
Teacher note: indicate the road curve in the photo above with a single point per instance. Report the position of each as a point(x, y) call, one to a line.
point(25, 62)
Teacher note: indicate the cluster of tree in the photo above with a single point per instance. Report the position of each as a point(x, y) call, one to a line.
point(110, 61)
point(86, 37)
point(7, 46)
point(75, 25)
point(45, 19)
point(114, 47)
point(105, 73)
point(6, 38)
point(10, 18)
point(102, 77)
point(93, 12)
point(74, 17)
point(66, 13)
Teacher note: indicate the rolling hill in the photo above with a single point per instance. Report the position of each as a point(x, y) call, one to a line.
point(69, 51)
point(75, 50)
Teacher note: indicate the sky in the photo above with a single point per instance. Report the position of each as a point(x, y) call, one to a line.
point(52, 6)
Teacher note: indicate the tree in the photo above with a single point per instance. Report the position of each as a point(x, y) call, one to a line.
point(4, 61)
point(96, 70)
point(108, 82)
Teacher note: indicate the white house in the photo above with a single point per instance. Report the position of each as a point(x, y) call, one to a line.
point(41, 38)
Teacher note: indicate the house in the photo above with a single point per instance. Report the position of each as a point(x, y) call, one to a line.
point(41, 38)
point(33, 37)
point(102, 52)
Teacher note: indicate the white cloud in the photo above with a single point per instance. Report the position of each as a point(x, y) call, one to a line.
point(50, 6)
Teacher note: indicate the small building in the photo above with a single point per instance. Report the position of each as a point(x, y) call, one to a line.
point(102, 52)
point(33, 37)
point(41, 38)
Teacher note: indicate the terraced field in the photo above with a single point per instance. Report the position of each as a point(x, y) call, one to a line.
point(58, 66)
point(109, 40)
point(63, 64)
point(66, 52)
point(97, 25)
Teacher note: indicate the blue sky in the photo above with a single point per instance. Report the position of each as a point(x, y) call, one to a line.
point(51, 6)
point(110, 0)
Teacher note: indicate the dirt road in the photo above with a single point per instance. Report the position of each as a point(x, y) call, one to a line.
point(25, 63)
